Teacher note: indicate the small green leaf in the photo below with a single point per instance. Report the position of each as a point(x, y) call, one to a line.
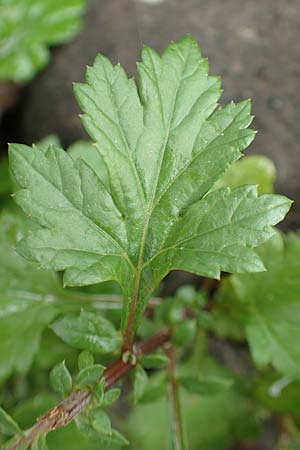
point(211, 385)
point(118, 439)
point(90, 375)
point(269, 305)
point(88, 331)
point(99, 392)
point(112, 440)
point(28, 28)
point(40, 444)
point(140, 380)
point(111, 396)
point(156, 387)
point(85, 359)
point(205, 320)
point(188, 296)
point(100, 421)
point(154, 361)
point(169, 312)
point(7, 424)
point(184, 332)
point(60, 379)
point(254, 169)
point(227, 313)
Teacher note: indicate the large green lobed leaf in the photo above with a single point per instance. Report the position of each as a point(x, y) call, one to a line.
point(270, 303)
point(28, 27)
point(26, 301)
point(163, 146)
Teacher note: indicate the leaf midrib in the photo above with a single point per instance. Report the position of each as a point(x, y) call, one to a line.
point(140, 263)
point(150, 207)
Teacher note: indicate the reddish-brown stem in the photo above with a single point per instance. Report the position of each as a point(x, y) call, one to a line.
point(68, 409)
point(116, 371)
point(153, 343)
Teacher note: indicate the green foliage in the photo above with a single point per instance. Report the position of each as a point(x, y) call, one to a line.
point(28, 28)
point(89, 375)
point(88, 331)
point(251, 170)
point(40, 444)
point(24, 307)
point(111, 396)
point(60, 379)
point(85, 359)
point(7, 424)
point(154, 361)
point(269, 305)
point(213, 422)
point(189, 296)
point(157, 189)
point(211, 385)
point(100, 421)
point(163, 147)
point(140, 381)
point(156, 387)
point(30, 298)
point(184, 332)
point(279, 394)
point(112, 439)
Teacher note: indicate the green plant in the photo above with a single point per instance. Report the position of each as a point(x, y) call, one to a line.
point(150, 195)
point(28, 28)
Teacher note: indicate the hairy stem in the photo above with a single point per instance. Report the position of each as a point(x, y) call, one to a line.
point(129, 335)
point(68, 409)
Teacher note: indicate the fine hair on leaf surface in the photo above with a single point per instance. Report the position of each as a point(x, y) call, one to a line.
point(163, 143)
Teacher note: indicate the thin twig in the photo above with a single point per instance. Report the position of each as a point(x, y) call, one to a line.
point(68, 409)
point(178, 436)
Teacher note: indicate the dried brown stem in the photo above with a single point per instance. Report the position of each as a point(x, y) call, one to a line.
point(68, 409)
